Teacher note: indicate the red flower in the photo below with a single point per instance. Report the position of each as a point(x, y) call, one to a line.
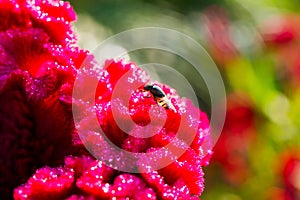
point(177, 180)
point(280, 30)
point(38, 67)
point(35, 66)
point(282, 34)
point(217, 33)
point(290, 173)
point(237, 135)
point(52, 16)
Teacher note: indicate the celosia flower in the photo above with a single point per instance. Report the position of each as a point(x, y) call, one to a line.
point(280, 30)
point(181, 179)
point(290, 173)
point(36, 62)
point(52, 16)
point(218, 35)
point(281, 33)
point(39, 63)
point(238, 133)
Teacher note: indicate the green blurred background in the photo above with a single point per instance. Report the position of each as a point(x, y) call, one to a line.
point(256, 46)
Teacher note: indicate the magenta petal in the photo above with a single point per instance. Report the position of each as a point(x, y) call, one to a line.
point(46, 183)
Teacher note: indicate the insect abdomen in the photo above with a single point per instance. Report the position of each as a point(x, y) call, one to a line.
point(163, 103)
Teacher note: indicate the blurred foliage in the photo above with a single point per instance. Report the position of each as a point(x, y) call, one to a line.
point(263, 68)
